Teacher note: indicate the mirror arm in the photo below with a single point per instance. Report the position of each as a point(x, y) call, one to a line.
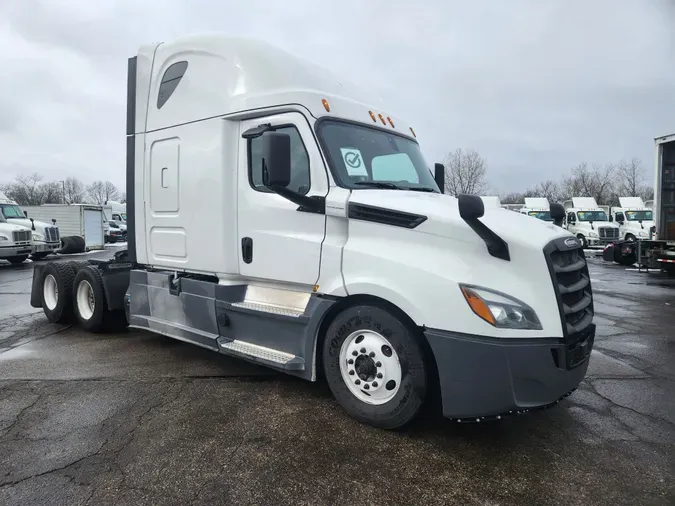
point(314, 204)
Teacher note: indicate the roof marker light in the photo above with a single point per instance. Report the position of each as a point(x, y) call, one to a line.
point(372, 115)
point(413, 132)
point(325, 104)
point(382, 120)
point(390, 122)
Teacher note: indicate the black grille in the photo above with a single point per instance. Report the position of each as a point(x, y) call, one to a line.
point(21, 235)
point(572, 285)
point(608, 232)
point(52, 234)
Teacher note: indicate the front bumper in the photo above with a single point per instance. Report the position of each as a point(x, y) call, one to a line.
point(489, 377)
point(595, 241)
point(46, 247)
point(15, 251)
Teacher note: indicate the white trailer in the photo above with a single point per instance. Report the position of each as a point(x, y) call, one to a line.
point(74, 220)
point(329, 250)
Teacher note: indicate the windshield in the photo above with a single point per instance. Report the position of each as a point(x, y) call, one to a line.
point(363, 157)
point(592, 216)
point(542, 215)
point(124, 216)
point(639, 215)
point(11, 211)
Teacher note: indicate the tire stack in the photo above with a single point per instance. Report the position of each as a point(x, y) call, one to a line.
point(73, 292)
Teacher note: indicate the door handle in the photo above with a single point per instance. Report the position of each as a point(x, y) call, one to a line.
point(247, 250)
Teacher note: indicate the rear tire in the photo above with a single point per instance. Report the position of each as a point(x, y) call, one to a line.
point(57, 289)
point(384, 386)
point(89, 301)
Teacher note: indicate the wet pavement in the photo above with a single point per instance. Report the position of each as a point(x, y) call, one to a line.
point(136, 418)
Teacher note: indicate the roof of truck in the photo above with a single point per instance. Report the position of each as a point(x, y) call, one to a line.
point(234, 76)
point(537, 203)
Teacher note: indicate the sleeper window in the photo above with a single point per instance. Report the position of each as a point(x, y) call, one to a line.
point(299, 162)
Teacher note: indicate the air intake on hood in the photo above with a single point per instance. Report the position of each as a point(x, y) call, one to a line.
point(385, 216)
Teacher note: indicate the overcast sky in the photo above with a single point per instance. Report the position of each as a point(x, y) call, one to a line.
point(536, 86)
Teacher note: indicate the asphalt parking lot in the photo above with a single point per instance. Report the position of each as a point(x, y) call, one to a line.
point(136, 418)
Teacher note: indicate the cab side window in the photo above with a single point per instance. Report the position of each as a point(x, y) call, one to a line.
point(300, 181)
point(619, 217)
point(571, 218)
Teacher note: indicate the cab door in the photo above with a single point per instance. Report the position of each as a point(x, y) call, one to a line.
point(278, 242)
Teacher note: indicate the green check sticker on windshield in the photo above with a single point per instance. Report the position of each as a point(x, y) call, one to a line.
point(353, 161)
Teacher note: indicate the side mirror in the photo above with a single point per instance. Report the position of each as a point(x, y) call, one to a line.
point(25, 213)
point(276, 155)
point(439, 176)
point(611, 218)
point(557, 213)
point(471, 207)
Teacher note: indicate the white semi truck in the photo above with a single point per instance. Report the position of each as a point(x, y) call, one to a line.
point(634, 218)
point(334, 252)
point(46, 237)
point(15, 242)
point(654, 246)
point(590, 222)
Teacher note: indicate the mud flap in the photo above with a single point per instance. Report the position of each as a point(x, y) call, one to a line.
point(36, 288)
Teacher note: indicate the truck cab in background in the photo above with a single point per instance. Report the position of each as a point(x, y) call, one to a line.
point(329, 249)
point(634, 218)
point(45, 238)
point(15, 242)
point(537, 207)
point(590, 222)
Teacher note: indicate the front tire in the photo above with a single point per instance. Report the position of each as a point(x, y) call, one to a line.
point(630, 237)
point(375, 366)
point(584, 242)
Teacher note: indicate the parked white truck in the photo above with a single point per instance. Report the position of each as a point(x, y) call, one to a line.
point(46, 237)
point(537, 207)
point(15, 242)
point(333, 252)
point(635, 220)
point(75, 220)
point(590, 222)
point(654, 246)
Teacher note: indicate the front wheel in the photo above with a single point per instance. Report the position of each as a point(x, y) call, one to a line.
point(584, 242)
point(375, 366)
point(630, 237)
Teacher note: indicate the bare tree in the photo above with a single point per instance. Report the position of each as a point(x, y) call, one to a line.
point(550, 190)
point(26, 190)
point(52, 193)
point(464, 172)
point(631, 178)
point(102, 191)
point(123, 198)
point(74, 191)
point(597, 182)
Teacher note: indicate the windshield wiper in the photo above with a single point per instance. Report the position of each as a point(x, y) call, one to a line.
point(379, 184)
point(421, 189)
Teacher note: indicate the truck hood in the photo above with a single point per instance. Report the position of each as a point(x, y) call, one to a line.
point(25, 222)
point(443, 219)
point(6, 228)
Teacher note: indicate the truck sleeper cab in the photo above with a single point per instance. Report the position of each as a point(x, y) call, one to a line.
point(335, 254)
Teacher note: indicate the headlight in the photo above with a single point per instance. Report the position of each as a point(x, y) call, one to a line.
point(499, 309)
point(4, 238)
point(593, 234)
point(38, 237)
